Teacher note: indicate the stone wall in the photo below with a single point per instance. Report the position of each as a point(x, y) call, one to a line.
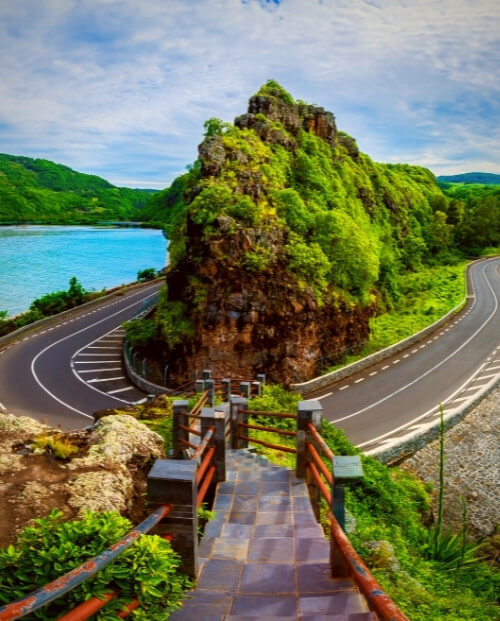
point(472, 458)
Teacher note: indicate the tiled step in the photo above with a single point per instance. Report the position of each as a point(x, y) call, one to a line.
point(264, 556)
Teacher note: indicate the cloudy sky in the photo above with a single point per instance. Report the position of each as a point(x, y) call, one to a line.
point(121, 88)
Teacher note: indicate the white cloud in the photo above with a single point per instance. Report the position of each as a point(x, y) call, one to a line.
point(124, 87)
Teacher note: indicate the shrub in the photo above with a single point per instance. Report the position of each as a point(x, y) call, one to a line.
point(49, 548)
point(146, 274)
point(140, 332)
point(56, 445)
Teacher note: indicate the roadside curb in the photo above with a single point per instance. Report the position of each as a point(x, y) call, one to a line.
point(324, 381)
point(12, 337)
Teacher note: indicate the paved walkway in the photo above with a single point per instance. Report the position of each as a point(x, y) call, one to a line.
point(264, 556)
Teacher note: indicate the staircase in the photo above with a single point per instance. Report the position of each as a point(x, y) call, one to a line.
point(264, 556)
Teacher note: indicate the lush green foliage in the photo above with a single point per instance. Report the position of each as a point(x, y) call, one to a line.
point(40, 191)
point(149, 569)
point(391, 505)
point(146, 274)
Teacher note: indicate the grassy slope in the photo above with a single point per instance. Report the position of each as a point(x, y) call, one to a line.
point(40, 191)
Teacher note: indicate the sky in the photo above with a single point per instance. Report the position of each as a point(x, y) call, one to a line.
point(121, 88)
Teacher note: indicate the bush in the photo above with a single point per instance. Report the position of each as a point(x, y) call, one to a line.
point(146, 274)
point(49, 548)
point(56, 445)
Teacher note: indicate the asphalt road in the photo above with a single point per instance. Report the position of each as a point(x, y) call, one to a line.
point(391, 394)
point(38, 376)
point(43, 375)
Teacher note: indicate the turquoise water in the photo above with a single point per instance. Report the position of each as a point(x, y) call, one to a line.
point(35, 260)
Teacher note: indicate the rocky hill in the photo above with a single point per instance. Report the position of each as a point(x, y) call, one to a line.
point(285, 240)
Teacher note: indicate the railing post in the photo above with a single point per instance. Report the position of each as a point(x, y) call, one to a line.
point(217, 419)
point(226, 389)
point(256, 389)
point(207, 374)
point(199, 386)
point(245, 390)
point(237, 416)
point(173, 482)
point(307, 412)
point(180, 417)
point(261, 378)
point(209, 385)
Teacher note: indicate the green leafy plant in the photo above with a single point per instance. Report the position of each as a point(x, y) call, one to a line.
point(51, 547)
point(204, 516)
point(146, 274)
point(58, 446)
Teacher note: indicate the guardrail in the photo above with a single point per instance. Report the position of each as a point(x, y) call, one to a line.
point(59, 587)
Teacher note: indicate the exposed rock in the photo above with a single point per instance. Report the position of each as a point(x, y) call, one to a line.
point(212, 155)
point(18, 430)
point(118, 441)
point(100, 491)
point(382, 555)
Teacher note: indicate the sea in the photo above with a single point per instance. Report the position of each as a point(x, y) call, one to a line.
point(35, 260)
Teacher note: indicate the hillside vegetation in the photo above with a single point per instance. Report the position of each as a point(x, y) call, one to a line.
point(285, 239)
point(40, 191)
point(473, 177)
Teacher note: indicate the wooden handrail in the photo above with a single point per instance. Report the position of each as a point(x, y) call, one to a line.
point(204, 464)
point(322, 444)
point(319, 463)
point(278, 447)
point(271, 429)
point(204, 487)
point(190, 430)
point(327, 495)
point(275, 414)
point(203, 444)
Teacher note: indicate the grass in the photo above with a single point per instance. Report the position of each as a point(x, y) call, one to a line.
point(424, 297)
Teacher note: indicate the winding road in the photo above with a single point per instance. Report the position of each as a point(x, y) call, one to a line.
point(66, 372)
point(44, 374)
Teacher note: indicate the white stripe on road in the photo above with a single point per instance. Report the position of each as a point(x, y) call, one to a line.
point(100, 370)
point(113, 392)
point(323, 396)
point(106, 379)
point(95, 361)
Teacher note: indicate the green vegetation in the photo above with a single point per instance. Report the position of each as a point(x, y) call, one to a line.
point(55, 444)
point(147, 274)
point(49, 304)
point(40, 191)
point(50, 547)
point(422, 298)
point(391, 505)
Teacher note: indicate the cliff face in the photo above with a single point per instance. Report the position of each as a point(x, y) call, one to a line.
point(287, 238)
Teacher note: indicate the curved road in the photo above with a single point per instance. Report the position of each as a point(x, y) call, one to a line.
point(377, 404)
point(37, 376)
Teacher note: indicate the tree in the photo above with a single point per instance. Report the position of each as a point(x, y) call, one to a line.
point(215, 127)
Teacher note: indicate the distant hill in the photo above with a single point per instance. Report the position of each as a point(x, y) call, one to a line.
point(472, 177)
point(40, 191)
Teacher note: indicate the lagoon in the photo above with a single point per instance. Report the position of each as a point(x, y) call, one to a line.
point(35, 260)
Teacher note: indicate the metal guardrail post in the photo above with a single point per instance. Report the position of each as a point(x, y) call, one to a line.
point(173, 482)
point(237, 416)
point(217, 419)
point(180, 417)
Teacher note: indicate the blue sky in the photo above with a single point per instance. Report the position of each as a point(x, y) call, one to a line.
point(121, 88)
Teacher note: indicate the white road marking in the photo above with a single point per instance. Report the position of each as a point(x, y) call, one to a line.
point(94, 355)
point(422, 346)
point(106, 379)
point(100, 370)
point(323, 396)
point(2, 407)
point(436, 366)
point(359, 380)
point(102, 347)
point(386, 367)
point(395, 361)
point(113, 392)
point(95, 361)
point(140, 401)
point(344, 387)
point(414, 351)
point(373, 373)
point(406, 355)
point(33, 362)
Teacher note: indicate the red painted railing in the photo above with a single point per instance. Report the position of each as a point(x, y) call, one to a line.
point(62, 585)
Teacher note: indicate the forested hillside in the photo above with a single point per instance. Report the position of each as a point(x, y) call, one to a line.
point(473, 177)
point(285, 239)
point(40, 191)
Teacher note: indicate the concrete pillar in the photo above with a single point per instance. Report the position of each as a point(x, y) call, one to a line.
point(210, 386)
point(245, 390)
point(199, 386)
point(217, 419)
point(226, 389)
point(207, 374)
point(237, 416)
point(307, 412)
point(173, 482)
point(181, 409)
point(256, 389)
